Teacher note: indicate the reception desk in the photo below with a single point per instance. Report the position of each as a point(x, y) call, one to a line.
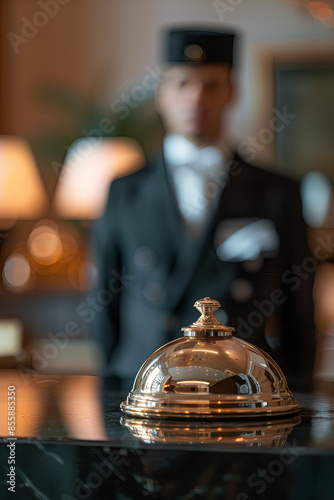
point(69, 440)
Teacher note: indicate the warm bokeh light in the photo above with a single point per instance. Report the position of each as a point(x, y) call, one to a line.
point(320, 10)
point(70, 246)
point(49, 257)
point(90, 166)
point(22, 193)
point(16, 272)
point(44, 243)
point(329, 22)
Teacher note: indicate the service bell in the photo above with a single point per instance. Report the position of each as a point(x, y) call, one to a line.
point(208, 373)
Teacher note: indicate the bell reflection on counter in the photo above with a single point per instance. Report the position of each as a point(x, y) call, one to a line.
point(251, 433)
point(209, 373)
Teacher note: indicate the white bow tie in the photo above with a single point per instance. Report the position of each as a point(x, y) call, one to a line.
point(179, 151)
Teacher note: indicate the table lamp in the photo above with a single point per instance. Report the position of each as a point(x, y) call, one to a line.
point(89, 167)
point(22, 193)
point(22, 196)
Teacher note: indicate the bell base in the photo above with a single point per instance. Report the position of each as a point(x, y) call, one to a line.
point(210, 413)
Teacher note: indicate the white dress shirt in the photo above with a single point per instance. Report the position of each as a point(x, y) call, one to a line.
point(198, 176)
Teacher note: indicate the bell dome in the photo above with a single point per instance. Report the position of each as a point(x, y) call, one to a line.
point(208, 373)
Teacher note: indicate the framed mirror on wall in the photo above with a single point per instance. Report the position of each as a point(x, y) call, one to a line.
point(306, 90)
point(294, 98)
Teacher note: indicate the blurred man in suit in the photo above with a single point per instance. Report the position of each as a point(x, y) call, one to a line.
point(199, 221)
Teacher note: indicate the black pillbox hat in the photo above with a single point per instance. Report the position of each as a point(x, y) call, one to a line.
point(189, 46)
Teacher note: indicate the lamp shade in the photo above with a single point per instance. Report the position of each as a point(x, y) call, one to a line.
point(90, 166)
point(22, 193)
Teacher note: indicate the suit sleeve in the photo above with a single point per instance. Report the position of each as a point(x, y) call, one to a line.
point(104, 247)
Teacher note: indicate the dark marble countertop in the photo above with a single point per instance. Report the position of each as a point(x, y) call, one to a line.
point(70, 431)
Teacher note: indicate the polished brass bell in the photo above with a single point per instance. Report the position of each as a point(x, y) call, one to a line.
point(208, 373)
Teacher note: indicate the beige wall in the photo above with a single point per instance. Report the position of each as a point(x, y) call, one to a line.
point(93, 47)
point(70, 50)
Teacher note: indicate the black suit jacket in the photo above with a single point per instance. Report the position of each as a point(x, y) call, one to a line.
point(151, 271)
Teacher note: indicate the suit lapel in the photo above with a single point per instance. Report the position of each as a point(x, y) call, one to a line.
point(160, 188)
